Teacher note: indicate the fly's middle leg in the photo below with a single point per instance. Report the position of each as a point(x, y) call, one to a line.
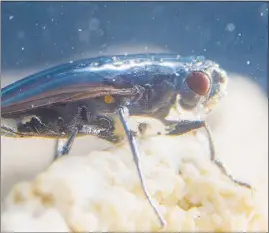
point(64, 150)
point(187, 126)
point(84, 123)
point(123, 111)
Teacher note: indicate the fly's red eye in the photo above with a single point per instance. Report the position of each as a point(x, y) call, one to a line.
point(198, 82)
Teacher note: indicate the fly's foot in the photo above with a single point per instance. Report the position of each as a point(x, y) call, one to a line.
point(142, 128)
point(220, 165)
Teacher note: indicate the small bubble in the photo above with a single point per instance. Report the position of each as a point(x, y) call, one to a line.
point(264, 11)
point(22, 48)
point(44, 27)
point(125, 54)
point(11, 17)
point(114, 58)
point(73, 47)
point(80, 30)
point(146, 47)
point(248, 62)
point(239, 34)
point(71, 62)
point(32, 106)
point(230, 27)
point(94, 24)
point(204, 50)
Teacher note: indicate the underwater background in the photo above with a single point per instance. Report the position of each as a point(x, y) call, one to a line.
point(42, 34)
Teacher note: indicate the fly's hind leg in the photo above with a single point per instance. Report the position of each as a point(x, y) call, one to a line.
point(9, 132)
point(187, 126)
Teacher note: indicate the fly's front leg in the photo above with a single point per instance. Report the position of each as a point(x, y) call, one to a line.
point(187, 126)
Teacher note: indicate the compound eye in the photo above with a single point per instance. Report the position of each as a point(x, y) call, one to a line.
point(198, 82)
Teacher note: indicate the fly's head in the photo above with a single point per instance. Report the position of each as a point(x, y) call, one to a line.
point(201, 86)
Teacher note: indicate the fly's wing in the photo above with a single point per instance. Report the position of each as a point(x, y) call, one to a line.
point(60, 86)
point(83, 79)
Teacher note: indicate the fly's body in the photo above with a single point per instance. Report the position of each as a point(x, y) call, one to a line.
point(85, 98)
point(147, 84)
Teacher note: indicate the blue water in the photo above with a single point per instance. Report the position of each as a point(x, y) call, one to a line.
point(235, 34)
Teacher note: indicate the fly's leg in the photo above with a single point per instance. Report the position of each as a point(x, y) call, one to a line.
point(136, 157)
point(64, 150)
point(6, 131)
point(86, 124)
point(187, 126)
point(219, 163)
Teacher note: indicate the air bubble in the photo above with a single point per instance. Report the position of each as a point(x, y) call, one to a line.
point(230, 27)
point(94, 24)
point(114, 58)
